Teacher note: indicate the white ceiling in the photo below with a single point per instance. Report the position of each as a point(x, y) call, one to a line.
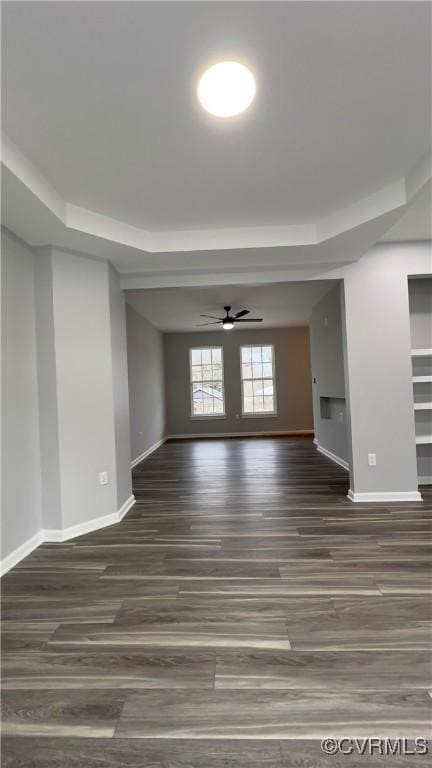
point(179, 309)
point(107, 150)
point(100, 95)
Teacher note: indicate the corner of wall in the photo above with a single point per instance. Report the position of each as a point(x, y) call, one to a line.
point(120, 386)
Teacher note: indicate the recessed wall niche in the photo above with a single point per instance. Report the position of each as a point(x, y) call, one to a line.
point(332, 408)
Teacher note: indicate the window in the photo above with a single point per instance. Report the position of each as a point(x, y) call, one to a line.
point(207, 387)
point(258, 384)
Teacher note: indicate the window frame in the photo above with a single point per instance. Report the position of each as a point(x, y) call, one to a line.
point(259, 414)
point(206, 415)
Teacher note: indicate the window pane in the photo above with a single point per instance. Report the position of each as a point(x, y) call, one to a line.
point(268, 403)
point(258, 387)
point(246, 354)
point(258, 403)
point(267, 354)
point(258, 379)
point(206, 375)
point(248, 405)
point(257, 370)
point(198, 392)
point(218, 406)
point(248, 388)
point(256, 354)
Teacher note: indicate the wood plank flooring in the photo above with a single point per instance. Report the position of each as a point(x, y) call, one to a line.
point(243, 610)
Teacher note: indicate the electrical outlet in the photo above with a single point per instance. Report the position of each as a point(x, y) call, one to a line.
point(372, 459)
point(103, 478)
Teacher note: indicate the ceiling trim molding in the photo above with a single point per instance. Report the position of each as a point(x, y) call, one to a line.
point(73, 217)
point(27, 173)
point(383, 201)
point(419, 175)
point(246, 276)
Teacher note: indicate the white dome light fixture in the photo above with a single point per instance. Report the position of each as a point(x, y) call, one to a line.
point(226, 89)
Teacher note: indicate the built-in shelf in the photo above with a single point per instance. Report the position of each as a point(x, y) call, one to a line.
point(421, 362)
point(424, 439)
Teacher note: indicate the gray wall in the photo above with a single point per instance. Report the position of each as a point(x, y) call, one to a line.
point(47, 385)
point(328, 371)
point(120, 387)
point(146, 383)
point(293, 381)
point(64, 393)
point(84, 387)
point(378, 373)
point(21, 482)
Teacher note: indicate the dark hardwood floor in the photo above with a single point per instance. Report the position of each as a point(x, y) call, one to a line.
point(243, 610)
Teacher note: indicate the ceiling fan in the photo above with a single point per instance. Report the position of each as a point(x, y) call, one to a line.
point(229, 320)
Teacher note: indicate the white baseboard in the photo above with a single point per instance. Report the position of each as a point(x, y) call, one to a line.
point(124, 509)
point(21, 552)
point(425, 480)
point(64, 534)
point(330, 455)
point(146, 453)
point(58, 534)
point(263, 433)
point(385, 496)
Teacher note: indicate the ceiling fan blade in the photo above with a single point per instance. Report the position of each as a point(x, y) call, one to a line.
point(242, 313)
point(212, 316)
point(199, 325)
point(249, 320)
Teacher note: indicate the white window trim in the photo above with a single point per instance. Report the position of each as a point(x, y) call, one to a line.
point(206, 416)
point(259, 414)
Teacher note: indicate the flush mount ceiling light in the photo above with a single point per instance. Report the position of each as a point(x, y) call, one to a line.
point(226, 89)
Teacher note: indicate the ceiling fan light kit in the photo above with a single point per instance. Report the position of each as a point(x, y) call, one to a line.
point(228, 321)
